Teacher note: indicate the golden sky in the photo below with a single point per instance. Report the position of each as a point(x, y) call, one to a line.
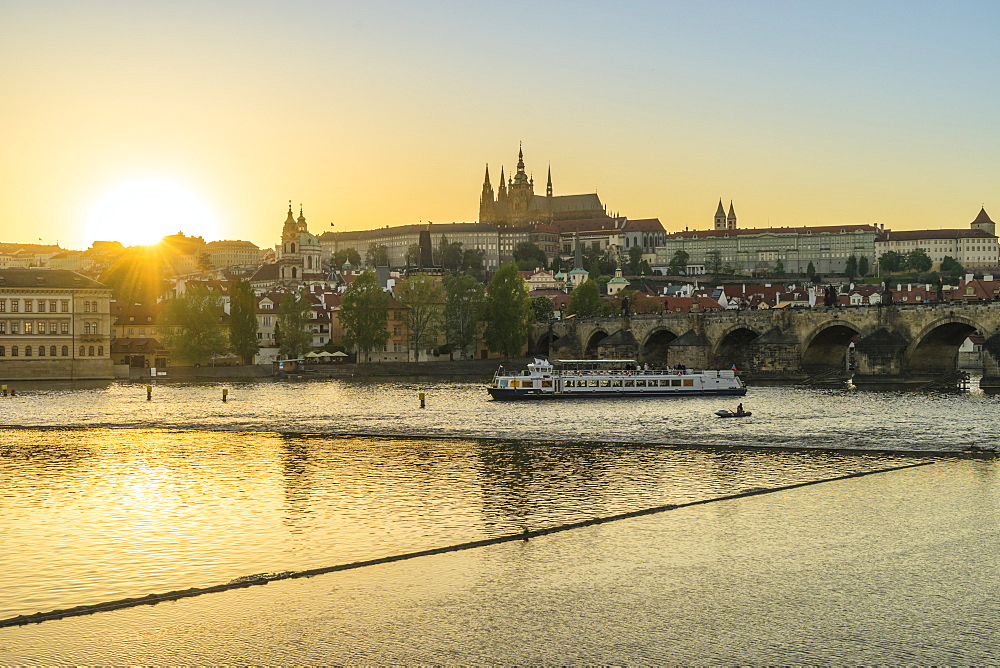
point(378, 113)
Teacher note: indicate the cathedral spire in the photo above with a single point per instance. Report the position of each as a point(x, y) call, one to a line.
point(720, 217)
point(731, 218)
point(548, 187)
point(486, 183)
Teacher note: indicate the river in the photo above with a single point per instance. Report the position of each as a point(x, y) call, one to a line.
point(109, 495)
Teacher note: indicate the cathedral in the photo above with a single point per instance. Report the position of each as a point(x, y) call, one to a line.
point(515, 204)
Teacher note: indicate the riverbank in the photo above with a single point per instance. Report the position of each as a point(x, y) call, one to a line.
point(472, 370)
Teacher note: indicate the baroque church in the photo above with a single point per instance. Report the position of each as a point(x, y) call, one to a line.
point(515, 204)
point(300, 256)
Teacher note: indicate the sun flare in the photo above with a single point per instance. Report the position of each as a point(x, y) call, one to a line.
point(143, 211)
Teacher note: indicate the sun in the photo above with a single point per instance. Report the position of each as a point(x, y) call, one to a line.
point(142, 211)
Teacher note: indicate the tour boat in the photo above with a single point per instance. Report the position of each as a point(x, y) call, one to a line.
point(609, 378)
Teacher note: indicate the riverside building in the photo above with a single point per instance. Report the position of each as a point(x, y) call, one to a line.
point(54, 325)
point(975, 246)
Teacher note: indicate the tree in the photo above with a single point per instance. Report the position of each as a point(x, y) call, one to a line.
point(543, 309)
point(779, 268)
point(194, 325)
point(377, 255)
point(713, 262)
point(918, 260)
point(950, 265)
point(243, 320)
point(585, 300)
point(507, 312)
point(413, 255)
point(461, 311)
point(851, 268)
point(294, 310)
point(811, 269)
point(634, 258)
point(449, 254)
point(472, 261)
point(891, 261)
point(678, 263)
point(424, 300)
point(529, 256)
point(364, 309)
point(346, 255)
point(862, 266)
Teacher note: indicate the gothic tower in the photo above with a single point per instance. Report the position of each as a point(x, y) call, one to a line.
point(720, 217)
point(486, 201)
point(731, 218)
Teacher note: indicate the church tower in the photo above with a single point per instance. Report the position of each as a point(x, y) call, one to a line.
point(486, 201)
point(983, 222)
point(522, 191)
point(720, 217)
point(300, 253)
point(731, 218)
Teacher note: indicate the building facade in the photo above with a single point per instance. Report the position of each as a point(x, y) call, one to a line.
point(400, 239)
point(976, 246)
point(54, 325)
point(224, 254)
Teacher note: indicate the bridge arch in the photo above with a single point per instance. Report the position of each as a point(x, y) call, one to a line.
point(595, 338)
point(654, 348)
point(828, 346)
point(733, 348)
point(935, 348)
point(541, 344)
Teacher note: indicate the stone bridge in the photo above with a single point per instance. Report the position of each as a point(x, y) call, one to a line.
point(887, 346)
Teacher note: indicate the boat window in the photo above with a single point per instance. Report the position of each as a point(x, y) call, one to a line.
point(616, 383)
point(546, 383)
point(689, 382)
point(640, 383)
point(675, 382)
point(592, 383)
point(629, 383)
point(569, 383)
point(605, 383)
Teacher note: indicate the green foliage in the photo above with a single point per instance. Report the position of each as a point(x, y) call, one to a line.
point(413, 255)
point(851, 268)
point(585, 300)
point(634, 258)
point(713, 262)
point(542, 308)
point(811, 269)
point(678, 263)
point(891, 261)
point(461, 312)
point(377, 255)
point(779, 268)
point(243, 320)
point(424, 300)
point(507, 312)
point(472, 262)
point(346, 255)
point(529, 256)
point(918, 260)
point(194, 329)
point(449, 255)
point(863, 266)
point(363, 312)
point(293, 320)
point(950, 265)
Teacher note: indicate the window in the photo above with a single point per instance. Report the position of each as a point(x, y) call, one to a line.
point(83, 351)
point(52, 306)
point(41, 306)
point(13, 351)
point(65, 351)
point(15, 328)
point(28, 324)
point(3, 305)
point(86, 328)
point(52, 351)
point(41, 351)
point(3, 326)
point(3, 351)
point(100, 351)
point(64, 305)
point(27, 351)
point(52, 327)
point(28, 305)
point(64, 327)
point(86, 307)
point(14, 305)
point(90, 351)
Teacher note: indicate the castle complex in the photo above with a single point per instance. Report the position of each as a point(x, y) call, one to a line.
point(515, 204)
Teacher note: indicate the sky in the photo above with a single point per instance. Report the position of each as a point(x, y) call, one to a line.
point(129, 118)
